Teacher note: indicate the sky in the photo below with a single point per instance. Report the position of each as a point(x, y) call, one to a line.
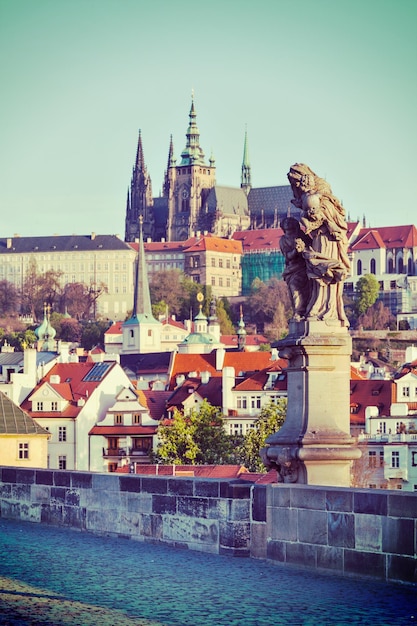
point(329, 83)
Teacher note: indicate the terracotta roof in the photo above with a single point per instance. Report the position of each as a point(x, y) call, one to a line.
point(77, 382)
point(257, 381)
point(216, 244)
point(251, 340)
point(364, 393)
point(115, 329)
point(210, 391)
point(370, 240)
point(120, 430)
point(355, 374)
point(155, 401)
point(259, 240)
point(394, 236)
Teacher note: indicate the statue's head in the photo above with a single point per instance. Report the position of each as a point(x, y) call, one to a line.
point(290, 225)
point(301, 178)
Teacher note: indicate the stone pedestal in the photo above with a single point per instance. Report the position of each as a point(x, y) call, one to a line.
point(314, 445)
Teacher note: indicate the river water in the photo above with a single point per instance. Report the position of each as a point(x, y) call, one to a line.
point(54, 576)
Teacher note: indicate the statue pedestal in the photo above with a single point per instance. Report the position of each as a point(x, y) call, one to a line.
point(314, 445)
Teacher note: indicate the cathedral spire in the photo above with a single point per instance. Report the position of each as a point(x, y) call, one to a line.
point(142, 301)
point(140, 159)
point(245, 179)
point(192, 153)
point(171, 163)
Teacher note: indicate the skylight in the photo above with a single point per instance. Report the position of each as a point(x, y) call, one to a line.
point(98, 372)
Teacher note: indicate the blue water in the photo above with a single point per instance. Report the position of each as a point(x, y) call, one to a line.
point(59, 576)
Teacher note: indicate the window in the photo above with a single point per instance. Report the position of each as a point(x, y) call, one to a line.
point(381, 458)
point(213, 262)
point(241, 402)
point(23, 450)
point(54, 406)
point(255, 402)
point(414, 458)
point(213, 281)
point(118, 418)
point(220, 262)
point(136, 418)
point(227, 282)
point(62, 462)
point(228, 264)
point(62, 433)
point(39, 406)
point(406, 392)
point(372, 458)
point(359, 267)
point(395, 458)
point(373, 266)
point(382, 427)
point(220, 282)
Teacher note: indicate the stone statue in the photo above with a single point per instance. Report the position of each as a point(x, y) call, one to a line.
point(322, 245)
point(292, 244)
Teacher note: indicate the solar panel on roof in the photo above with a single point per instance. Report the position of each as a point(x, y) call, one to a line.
point(97, 372)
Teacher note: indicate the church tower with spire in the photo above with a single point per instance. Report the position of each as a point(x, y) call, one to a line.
point(139, 199)
point(245, 179)
point(141, 333)
point(187, 184)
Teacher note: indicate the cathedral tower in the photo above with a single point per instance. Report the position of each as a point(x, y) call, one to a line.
point(187, 184)
point(245, 179)
point(139, 199)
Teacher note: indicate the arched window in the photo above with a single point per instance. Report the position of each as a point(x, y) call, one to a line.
point(359, 267)
point(390, 266)
point(400, 265)
point(373, 266)
point(410, 267)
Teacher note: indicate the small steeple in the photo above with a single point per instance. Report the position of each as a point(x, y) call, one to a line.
point(171, 163)
point(245, 179)
point(140, 159)
point(241, 332)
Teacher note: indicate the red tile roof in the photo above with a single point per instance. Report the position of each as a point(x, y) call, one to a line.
point(251, 340)
point(216, 244)
point(364, 393)
point(120, 430)
point(259, 240)
point(257, 381)
point(369, 240)
point(394, 236)
point(155, 401)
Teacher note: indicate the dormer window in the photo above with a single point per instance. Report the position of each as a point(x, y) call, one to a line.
point(118, 419)
point(39, 406)
point(136, 418)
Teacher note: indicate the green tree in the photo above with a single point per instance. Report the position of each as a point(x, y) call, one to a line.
point(93, 334)
point(269, 421)
point(367, 290)
point(269, 304)
point(9, 298)
point(226, 325)
point(196, 438)
point(377, 317)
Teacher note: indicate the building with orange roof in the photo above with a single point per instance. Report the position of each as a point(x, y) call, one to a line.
point(68, 401)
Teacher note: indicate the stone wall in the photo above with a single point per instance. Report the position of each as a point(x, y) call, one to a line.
point(358, 532)
point(345, 531)
point(206, 515)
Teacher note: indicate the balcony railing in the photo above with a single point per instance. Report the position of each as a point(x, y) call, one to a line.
point(123, 452)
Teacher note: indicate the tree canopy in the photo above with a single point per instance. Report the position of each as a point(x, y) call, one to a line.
point(269, 421)
point(367, 291)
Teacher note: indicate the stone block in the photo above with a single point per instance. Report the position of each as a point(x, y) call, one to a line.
point(130, 524)
point(276, 550)
point(72, 497)
point(81, 480)
point(44, 477)
point(40, 493)
point(370, 501)
point(30, 512)
point(6, 491)
point(102, 521)
point(283, 525)
point(21, 492)
point(339, 500)
point(141, 503)
point(368, 533)
point(193, 507)
point(402, 568)
point(238, 510)
point(234, 489)
point(154, 484)
point(58, 495)
point(9, 510)
point(234, 534)
point(341, 529)
point(278, 495)
point(180, 486)
point(312, 526)
point(301, 554)
point(308, 497)
point(258, 540)
point(152, 527)
point(130, 483)
point(24, 475)
point(106, 482)
point(62, 479)
point(330, 558)
point(52, 514)
point(9, 474)
point(259, 503)
point(364, 563)
point(164, 504)
point(191, 531)
point(206, 488)
point(75, 517)
point(398, 535)
point(402, 504)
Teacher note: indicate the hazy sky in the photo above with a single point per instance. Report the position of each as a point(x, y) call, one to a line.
point(331, 83)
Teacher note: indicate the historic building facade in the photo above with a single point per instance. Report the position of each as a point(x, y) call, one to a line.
point(191, 201)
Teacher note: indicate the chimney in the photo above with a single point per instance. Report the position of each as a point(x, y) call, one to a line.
point(93, 236)
point(9, 242)
point(205, 377)
point(228, 382)
point(220, 352)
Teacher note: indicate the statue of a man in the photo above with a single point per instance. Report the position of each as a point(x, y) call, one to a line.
point(324, 245)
